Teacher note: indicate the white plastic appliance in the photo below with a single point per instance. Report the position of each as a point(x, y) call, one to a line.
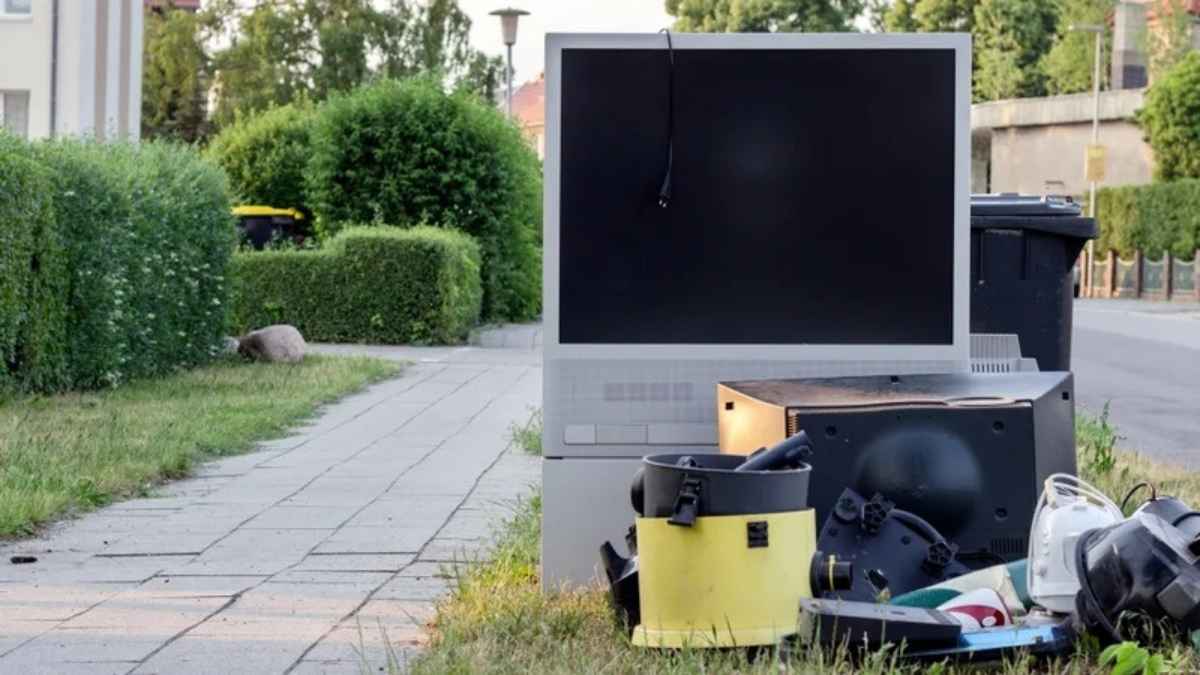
point(1067, 508)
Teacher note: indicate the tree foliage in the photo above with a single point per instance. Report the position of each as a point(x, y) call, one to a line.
point(1171, 120)
point(176, 74)
point(946, 16)
point(1070, 63)
point(1171, 40)
point(924, 16)
point(1011, 37)
point(283, 51)
point(895, 17)
point(1021, 47)
point(761, 16)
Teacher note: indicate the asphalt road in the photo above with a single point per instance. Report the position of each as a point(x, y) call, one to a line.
point(1143, 358)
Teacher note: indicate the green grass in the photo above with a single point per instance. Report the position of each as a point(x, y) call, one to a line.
point(497, 619)
point(528, 436)
point(69, 453)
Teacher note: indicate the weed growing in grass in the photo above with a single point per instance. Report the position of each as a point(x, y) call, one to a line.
point(1096, 441)
point(529, 435)
point(1131, 657)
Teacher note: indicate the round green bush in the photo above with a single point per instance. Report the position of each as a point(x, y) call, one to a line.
point(402, 153)
point(266, 155)
point(1171, 120)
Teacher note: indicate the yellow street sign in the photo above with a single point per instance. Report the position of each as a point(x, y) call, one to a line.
point(1096, 163)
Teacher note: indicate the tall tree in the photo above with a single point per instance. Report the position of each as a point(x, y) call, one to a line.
point(924, 16)
point(436, 41)
point(282, 51)
point(896, 17)
point(175, 75)
point(946, 16)
point(759, 16)
point(1070, 63)
point(265, 63)
point(1171, 38)
point(1011, 37)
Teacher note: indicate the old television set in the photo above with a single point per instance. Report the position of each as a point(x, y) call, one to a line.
point(733, 207)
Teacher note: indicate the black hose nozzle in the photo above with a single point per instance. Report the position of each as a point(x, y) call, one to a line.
point(791, 452)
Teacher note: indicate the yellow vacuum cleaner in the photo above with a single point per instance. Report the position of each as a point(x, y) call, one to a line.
point(725, 550)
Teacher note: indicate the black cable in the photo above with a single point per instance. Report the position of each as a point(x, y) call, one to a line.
point(664, 192)
point(920, 524)
point(1087, 597)
point(1135, 488)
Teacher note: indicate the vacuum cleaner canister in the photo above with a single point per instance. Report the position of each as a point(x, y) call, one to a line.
point(723, 555)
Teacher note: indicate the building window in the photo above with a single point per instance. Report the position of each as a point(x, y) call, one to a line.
point(16, 6)
point(14, 112)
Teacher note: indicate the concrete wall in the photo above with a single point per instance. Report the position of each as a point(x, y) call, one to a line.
point(99, 66)
point(1050, 159)
point(1038, 145)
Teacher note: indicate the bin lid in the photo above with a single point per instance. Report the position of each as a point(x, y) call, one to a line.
point(1050, 214)
point(251, 210)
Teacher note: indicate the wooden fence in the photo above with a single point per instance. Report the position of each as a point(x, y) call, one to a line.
point(1167, 278)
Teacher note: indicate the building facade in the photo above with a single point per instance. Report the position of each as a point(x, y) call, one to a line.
point(529, 110)
point(71, 67)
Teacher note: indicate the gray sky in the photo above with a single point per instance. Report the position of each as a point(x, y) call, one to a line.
point(551, 16)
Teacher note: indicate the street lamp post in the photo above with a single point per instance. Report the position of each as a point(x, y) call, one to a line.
point(1098, 30)
point(508, 25)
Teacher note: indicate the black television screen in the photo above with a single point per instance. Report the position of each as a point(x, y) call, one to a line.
point(812, 196)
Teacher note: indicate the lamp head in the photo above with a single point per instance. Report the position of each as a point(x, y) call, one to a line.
point(508, 23)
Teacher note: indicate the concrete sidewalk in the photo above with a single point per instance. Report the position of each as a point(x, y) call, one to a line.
point(289, 558)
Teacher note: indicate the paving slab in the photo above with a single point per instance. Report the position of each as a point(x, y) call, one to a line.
point(362, 562)
point(323, 551)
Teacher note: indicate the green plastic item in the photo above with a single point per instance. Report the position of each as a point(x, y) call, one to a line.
point(1009, 577)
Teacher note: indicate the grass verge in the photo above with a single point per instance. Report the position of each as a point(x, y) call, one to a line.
point(497, 620)
point(73, 452)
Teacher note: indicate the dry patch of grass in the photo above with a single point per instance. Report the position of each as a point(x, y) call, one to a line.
point(497, 619)
point(73, 452)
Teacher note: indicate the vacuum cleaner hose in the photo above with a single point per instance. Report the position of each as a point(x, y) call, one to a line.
point(1087, 606)
point(790, 452)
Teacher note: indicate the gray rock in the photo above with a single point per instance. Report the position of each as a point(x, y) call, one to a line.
point(273, 344)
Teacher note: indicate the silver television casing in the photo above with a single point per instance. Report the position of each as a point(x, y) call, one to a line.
point(608, 405)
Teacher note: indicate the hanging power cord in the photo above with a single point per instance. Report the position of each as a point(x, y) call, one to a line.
point(664, 192)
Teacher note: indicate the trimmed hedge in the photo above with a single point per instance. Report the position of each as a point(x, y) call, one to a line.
point(32, 308)
point(1154, 218)
point(368, 284)
point(266, 155)
point(400, 153)
point(128, 271)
